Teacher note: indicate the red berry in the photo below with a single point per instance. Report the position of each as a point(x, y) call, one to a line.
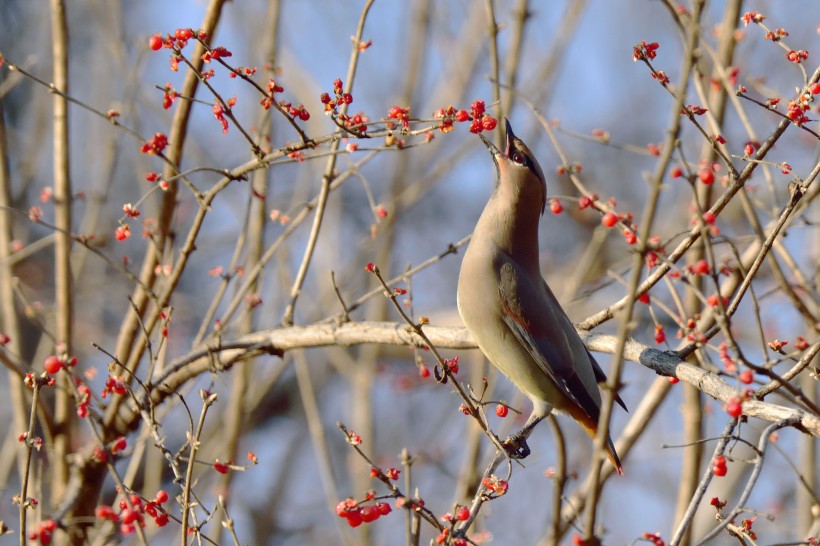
point(161, 497)
point(53, 364)
point(707, 176)
point(136, 501)
point(719, 466)
point(462, 116)
point(369, 513)
point(660, 336)
point(463, 513)
point(630, 237)
point(155, 42)
point(734, 407)
point(644, 298)
point(556, 207)
point(701, 267)
point(104, 511)
point(501, 410)
point(424, 371)
point(183, 34)
point(676, 172)
point(343, 508)
point(815, 89)
point(383, 508)
point(609, 219)
point(128, 516)
point(489, 123)
point(161, 520)
point(354, 518)
point(584, 202)
point(712, 301)
point(477, 107)
point(746, 376)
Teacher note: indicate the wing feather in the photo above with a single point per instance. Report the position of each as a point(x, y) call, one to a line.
point(537, 321)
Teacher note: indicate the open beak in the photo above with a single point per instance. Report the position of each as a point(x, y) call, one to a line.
point(508, 140)
point(494, 151)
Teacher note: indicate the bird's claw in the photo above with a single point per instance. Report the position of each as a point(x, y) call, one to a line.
point(516, 447)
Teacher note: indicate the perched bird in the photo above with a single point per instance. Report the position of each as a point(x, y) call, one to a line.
point(512, 313)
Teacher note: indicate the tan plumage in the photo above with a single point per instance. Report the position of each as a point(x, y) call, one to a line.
point(509, 309)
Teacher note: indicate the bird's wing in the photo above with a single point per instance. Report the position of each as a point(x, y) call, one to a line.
point(537, 321)
point(600, 376)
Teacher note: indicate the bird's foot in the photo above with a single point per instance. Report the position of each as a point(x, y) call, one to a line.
point(516, 447)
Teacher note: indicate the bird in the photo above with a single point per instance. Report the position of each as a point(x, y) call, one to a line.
point(510, 311)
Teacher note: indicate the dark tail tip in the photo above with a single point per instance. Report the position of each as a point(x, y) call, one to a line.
point(613, 457)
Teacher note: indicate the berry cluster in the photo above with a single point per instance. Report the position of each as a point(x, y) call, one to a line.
point(654, 538)
point(495, 485)
point(131, 516)
point(340, 97)
point(399, 114)
point(719, 466)
point(43, 532)
point(355, 514)
point(644, 51)
point(220, 111)
point(798, 107)
point(113, 384)
point(481, 121)
point(178, 41)
point(155, 145)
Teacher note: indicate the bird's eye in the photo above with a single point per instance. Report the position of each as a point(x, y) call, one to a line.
point(519, 158)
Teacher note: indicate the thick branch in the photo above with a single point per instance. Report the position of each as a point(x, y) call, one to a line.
point(279, 340)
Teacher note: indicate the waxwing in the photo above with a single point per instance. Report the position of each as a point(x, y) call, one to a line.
point(511, 312)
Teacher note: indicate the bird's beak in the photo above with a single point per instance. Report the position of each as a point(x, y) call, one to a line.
point(494, 151)
point(509, 138)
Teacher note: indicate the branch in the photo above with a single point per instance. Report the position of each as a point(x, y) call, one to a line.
point(279, 340)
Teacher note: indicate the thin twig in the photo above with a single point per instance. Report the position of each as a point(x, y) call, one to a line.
point(207, 400)
point(327, 178)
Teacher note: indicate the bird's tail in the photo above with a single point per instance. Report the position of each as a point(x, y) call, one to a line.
point(591, 427)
